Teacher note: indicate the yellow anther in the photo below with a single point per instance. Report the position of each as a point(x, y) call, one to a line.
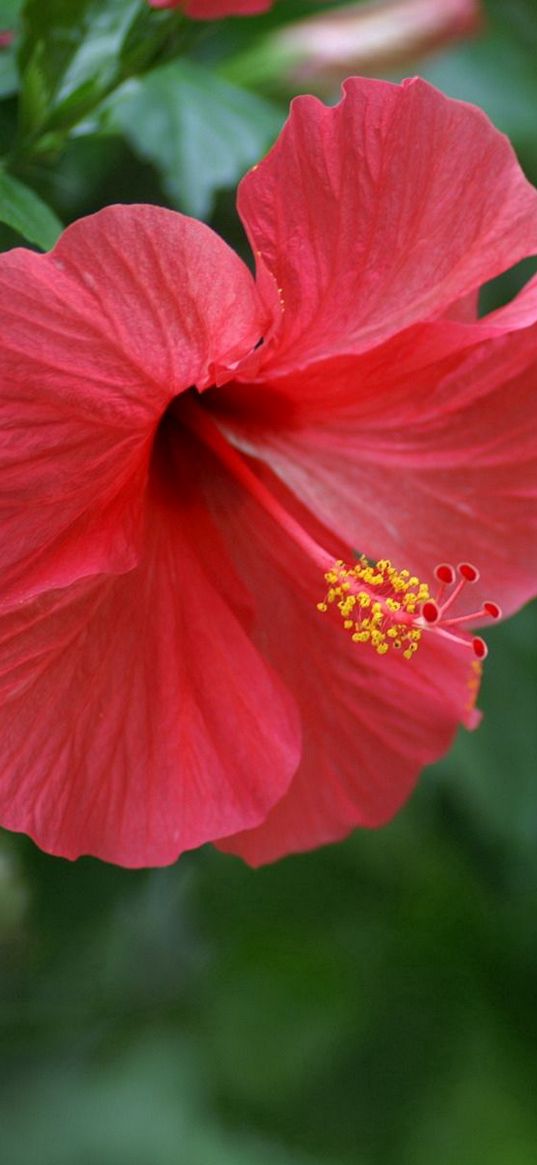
point(370, 596)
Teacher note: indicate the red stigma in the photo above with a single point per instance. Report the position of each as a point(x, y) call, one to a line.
point(435, 613)
point(444, 573)
point(468, 572)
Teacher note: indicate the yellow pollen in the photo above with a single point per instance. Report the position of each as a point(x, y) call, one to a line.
point(474, 682)
point(381, 601)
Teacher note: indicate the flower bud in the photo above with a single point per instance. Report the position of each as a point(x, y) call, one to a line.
point(371, 38)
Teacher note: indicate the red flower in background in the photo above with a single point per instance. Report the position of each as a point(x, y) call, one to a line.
point(215, 9)
point(173, 489)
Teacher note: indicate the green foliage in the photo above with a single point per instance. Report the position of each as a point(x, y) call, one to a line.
point(199, 131)
point(8, 72)
point(71, 55)
point(23, 211)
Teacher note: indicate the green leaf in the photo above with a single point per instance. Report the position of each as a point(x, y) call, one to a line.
point(200, 132)
point(35, 96)
point(70, 57)
point(8, 72)
point(23, 211)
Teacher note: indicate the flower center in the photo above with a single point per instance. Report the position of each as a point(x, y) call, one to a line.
point(199, 422)
point(379, 605)
point(391, 608)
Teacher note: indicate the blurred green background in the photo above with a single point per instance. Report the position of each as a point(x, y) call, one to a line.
point(373, 1003)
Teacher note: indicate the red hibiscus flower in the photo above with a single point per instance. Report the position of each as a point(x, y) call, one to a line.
point(189, 458)
point(214, 9)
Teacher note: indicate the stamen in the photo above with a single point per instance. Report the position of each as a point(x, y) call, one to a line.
point(391, 609)
point(474, 683)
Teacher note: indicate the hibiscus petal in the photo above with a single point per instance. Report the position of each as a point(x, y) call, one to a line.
point(137, 718)
point(133, 306)
point(370, 723)
point(421, 451)
point(381, 212)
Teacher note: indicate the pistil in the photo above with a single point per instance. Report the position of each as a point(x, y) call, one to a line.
point(388, 608)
